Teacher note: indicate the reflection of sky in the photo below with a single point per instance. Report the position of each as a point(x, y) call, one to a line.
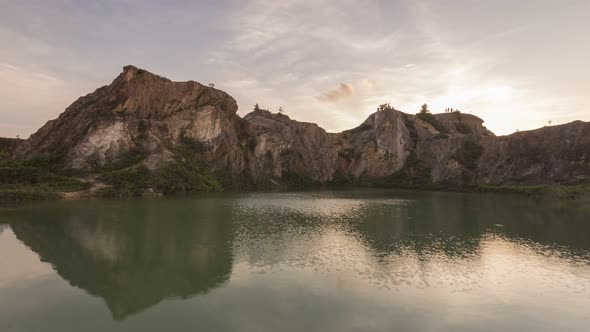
point(17, 262)
point(309, 204)
point(517, 64)
point(344, 287)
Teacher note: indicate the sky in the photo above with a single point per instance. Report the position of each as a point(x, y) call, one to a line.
point(515, 64)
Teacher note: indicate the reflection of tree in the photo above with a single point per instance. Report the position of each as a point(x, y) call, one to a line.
point(3, 227)
point(136, 254)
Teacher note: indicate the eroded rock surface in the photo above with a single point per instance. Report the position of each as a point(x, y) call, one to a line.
point(145, 115)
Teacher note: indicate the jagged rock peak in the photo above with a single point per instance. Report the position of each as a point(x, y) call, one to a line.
point(137, 110)
point(130, 71)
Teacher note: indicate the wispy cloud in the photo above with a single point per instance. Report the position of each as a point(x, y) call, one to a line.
point(344, 90)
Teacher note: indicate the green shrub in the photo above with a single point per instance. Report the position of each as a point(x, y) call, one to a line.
point(463, 128)
point(173, 178)
point(472, 151)
point(129, 182)
point(428, 117)
point(185, 177)
point(415, 173)
point(295, 181)
point(441, 136)
point(128, 159)
point(38, 176)
point(411, 129)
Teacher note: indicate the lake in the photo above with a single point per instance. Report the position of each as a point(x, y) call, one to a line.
point(364, 260)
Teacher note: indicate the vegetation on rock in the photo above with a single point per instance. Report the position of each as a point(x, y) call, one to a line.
point(35, 178)
point(431, 119)
point(471, 153)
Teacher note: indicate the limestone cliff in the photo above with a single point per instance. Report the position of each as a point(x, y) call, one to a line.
point(143, 120)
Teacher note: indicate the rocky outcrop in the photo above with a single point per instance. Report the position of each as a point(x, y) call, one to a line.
point(155, 122)
point(144, 112)
point(557, 154)
point(285, 148)
point(377, 148)
point(8, 146)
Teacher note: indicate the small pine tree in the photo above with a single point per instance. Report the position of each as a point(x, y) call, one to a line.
point(424, 109)
point(256, 107)
point(281, 111)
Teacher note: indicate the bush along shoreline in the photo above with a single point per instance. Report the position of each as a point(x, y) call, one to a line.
point(39, 178)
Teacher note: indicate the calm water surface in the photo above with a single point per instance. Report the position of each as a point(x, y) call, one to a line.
point(321, 261)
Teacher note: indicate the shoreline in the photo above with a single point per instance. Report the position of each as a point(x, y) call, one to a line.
point(580, 192)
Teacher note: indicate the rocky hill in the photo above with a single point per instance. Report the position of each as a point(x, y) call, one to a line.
point(145, 132)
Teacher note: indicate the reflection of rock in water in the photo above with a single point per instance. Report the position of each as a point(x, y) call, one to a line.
point(427, 224)
point(454, 224)
point(134, 256)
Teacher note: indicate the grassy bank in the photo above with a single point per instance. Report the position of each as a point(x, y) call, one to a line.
point(175, 178)
point(35, 178)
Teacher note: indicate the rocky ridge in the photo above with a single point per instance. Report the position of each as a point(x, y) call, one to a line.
point(142, 121)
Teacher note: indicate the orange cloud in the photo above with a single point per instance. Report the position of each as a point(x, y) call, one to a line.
point(344, 90)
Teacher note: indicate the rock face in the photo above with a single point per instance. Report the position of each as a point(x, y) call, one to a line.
point(557, 154)
point(8, 146)
point(141, 111)
point(377, 148)
point(145, 115)
point(287, 148)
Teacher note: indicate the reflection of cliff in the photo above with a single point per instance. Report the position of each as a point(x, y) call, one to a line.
point(427, 224)
point(454, 223)
point(135, 255)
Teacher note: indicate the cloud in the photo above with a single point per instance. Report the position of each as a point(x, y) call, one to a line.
point(344, 90)
point(367, 84)
point(29, 98)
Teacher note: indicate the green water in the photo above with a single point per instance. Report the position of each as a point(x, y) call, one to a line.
point(322, 261)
